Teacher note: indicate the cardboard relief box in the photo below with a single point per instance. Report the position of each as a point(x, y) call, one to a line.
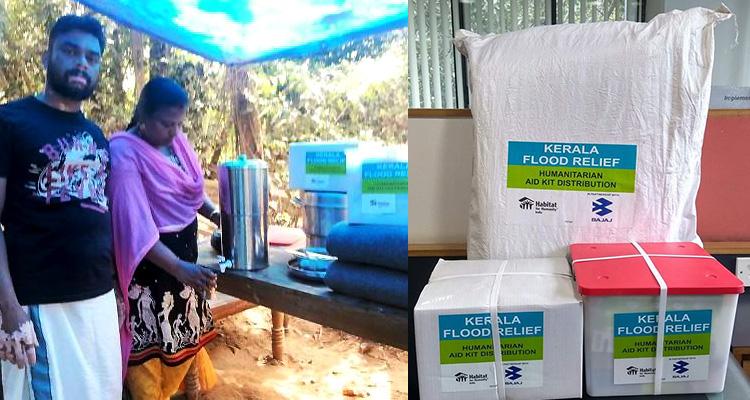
point(538, 326)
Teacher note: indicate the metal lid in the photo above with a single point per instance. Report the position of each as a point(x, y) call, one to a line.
point(242, 162)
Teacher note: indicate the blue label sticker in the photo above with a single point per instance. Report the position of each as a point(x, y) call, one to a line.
point(465, 326)
point(675, 323)
point(573, 155)
point(522, 324)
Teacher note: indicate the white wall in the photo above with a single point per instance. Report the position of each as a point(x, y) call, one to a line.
point(440, 163)
point(732, 62)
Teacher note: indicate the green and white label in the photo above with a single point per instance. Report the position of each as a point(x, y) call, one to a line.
point(552, 183)
point(381, 183)
point(687, 346)
point(325, 162)
point(467, 357)
point(385, 178)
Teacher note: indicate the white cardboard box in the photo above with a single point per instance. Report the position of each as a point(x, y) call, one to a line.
point(321, 166)
point(540, 318)
point(379, 185)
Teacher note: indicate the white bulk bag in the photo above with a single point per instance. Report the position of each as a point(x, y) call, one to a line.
point(588, 132)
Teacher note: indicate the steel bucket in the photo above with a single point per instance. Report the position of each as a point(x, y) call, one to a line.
point(243, 198)
point(322, 210)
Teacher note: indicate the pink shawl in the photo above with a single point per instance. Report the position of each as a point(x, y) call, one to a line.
point(149, 195)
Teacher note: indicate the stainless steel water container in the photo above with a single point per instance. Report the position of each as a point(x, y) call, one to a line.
point(322, 211)
point(243, 198)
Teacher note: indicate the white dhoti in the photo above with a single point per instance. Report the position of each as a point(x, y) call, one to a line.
point(78, 356)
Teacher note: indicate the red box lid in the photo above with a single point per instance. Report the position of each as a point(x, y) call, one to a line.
point(631, 275)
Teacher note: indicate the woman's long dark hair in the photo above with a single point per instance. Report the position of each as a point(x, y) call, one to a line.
point(158, 93)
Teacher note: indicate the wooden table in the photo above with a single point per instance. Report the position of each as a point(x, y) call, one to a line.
point(274, 288)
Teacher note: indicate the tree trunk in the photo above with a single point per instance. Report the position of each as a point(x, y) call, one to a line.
point(136, 43)
point(222, 134)
point(158, 54)
point(248, 137)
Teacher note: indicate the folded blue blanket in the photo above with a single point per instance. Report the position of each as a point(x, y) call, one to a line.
point(377, 284)
point(382, 245)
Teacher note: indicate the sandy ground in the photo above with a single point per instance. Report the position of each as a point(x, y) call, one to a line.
point(321, 363)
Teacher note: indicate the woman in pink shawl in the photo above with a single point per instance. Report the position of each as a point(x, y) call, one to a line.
point(156, 189)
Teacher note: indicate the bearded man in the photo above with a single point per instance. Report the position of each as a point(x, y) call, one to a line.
point(59, 336)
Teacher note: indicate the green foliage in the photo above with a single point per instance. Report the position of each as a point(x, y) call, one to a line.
point(357, 90)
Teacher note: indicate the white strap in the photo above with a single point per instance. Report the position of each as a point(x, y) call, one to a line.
point(639, 256)
point(605, 258)
point(551, 274)
point(659, 359)
point(494, 298)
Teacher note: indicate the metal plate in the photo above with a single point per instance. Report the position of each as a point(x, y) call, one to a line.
point(299, 271)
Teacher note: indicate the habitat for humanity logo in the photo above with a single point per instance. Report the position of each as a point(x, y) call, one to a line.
point(512, 373)
point(539, 207)
point(634, 371)
point(470, 379)
point(526, 203)
point(680, 367)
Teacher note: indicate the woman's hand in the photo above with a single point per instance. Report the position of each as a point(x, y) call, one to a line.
point(200, 278)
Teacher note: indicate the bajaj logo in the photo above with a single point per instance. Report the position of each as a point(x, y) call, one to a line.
point(680, 367)
point(512, 373)
point(461, 377)
point(632, 370)
point(526, 203)
point(600, 206)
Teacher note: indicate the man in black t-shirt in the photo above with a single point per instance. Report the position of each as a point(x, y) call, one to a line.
point(59, 336)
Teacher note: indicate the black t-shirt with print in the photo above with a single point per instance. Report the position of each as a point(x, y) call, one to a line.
point(56, 219)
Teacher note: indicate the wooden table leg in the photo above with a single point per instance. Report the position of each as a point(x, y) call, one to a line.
point(277, 335)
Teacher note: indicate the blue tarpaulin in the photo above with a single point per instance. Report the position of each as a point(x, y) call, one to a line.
point(243, 31)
